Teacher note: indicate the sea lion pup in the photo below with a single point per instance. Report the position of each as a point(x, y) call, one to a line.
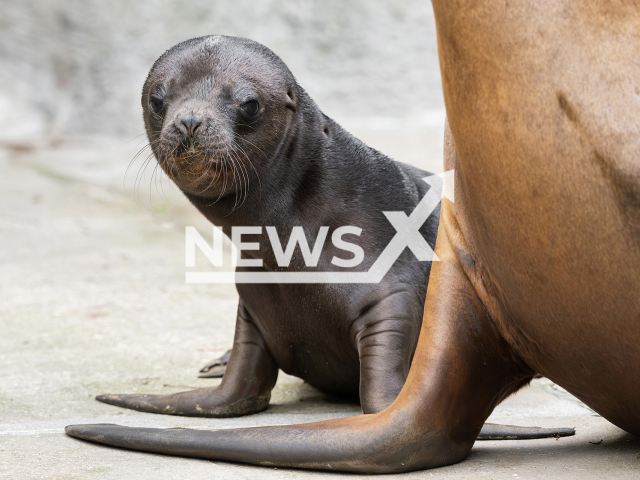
point(539, 253)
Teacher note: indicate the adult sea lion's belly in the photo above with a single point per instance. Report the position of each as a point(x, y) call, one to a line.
point(552, 221)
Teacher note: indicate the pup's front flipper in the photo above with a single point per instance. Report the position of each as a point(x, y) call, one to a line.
point(245, 388)
point(216, 368)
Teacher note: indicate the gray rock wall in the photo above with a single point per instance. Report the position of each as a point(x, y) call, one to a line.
point(70, 66)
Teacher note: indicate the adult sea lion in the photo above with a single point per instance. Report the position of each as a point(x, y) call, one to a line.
point(539, 254)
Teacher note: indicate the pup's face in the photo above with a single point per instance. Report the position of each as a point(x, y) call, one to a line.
point(216, 111)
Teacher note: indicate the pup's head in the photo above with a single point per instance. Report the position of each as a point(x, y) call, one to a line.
point(216, 109)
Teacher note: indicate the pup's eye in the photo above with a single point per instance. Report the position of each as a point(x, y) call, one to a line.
point(156, 104)
point(250, 108)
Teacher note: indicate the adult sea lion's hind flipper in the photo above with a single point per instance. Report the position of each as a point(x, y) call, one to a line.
point(491, 431)
point(346, 444)
point(333, 445)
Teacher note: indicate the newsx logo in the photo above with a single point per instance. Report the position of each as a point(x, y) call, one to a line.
point(283, 256)
point(407, 236)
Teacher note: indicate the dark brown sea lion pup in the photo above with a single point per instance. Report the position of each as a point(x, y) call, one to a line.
point(539, 254)
point(224, 113)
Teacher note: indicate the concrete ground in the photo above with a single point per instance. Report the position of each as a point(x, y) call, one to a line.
point(94, 301)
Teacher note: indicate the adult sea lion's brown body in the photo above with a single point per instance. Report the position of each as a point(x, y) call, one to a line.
point(539, 254)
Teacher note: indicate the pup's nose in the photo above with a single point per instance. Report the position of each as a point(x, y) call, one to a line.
point(191, 121)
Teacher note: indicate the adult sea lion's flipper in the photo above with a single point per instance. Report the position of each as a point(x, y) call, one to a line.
point(492, 431)
point(216, 368)
point(245, 389)
point(381, 333)
point(461, 370)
